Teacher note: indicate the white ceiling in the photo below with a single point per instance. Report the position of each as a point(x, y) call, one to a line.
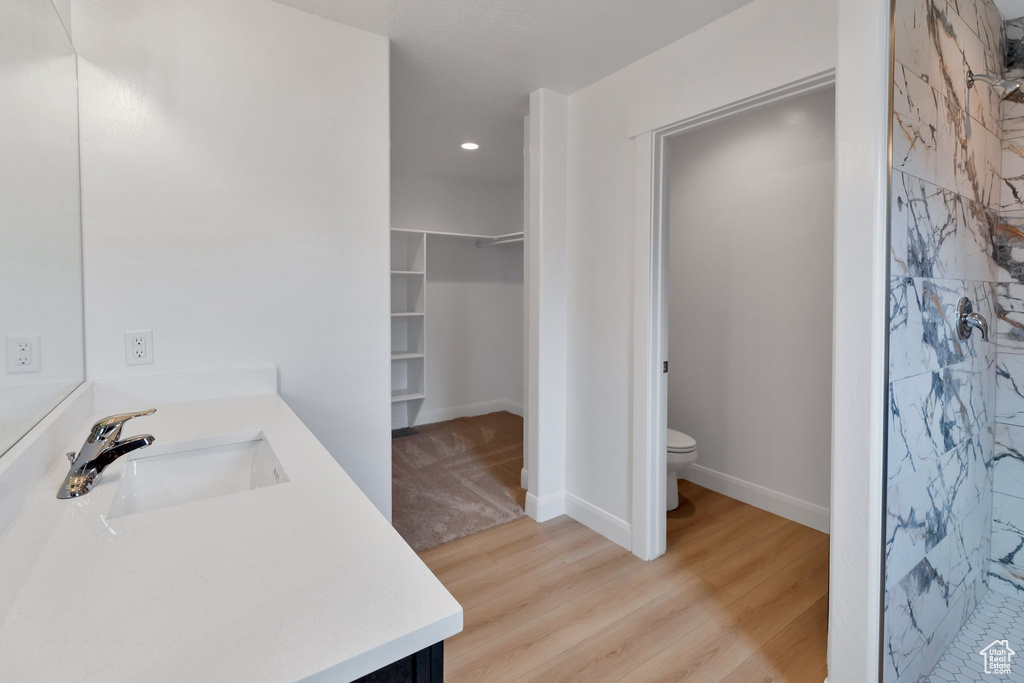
point(463, 69)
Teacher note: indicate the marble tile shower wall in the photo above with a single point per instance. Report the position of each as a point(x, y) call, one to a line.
point(946, 192)
point(1007, 567)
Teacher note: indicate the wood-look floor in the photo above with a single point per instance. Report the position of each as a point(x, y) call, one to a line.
point(740, 596)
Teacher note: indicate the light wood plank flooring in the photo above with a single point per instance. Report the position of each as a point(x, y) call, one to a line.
point(740, 596)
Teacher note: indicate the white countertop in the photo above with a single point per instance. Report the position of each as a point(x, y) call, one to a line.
point(277, 583)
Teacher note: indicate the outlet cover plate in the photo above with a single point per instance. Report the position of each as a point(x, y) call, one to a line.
point(138, 347)
point(24, 354)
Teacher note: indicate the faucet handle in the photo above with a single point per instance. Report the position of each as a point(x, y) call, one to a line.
point(967, 319)
point(114, 423)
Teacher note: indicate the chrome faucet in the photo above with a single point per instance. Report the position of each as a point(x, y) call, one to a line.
point(967, 320)
point(102, 447)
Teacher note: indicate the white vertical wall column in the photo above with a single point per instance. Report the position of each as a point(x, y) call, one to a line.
point(859, 339)
point(546, 303)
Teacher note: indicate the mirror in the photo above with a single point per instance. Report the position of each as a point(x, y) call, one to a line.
point(40, 217)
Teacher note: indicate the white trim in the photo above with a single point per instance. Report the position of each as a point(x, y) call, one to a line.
point(795, 64)
point(604, 523)
point(800, 511)
point(543, 509)
point(649, 423)
point(860, 329)
point(802, 86)
point(470, 410)
point(529, 381)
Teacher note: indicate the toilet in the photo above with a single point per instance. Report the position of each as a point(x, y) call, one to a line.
point(681, 452)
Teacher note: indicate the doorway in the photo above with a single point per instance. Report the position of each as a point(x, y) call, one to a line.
point(734, 277)
point(457, 301)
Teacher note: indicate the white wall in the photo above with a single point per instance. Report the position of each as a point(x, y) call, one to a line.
point(40, 251)
point(236, 201)
point(429, 201)
point(474, 334)
point(474, 297)
point(601, 215)
point(750, 299)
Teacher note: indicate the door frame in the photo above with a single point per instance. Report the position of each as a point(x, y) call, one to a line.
point(650, 310)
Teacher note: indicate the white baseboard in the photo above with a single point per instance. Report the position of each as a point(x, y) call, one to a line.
point(548, 507)
point(524, 478)
point(781, 504)
point(604, 523)
point(472, 410)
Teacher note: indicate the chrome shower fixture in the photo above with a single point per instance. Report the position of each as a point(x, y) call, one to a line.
point(1009, 86)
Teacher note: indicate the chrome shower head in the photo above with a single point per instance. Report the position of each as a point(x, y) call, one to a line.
point(1010, 87)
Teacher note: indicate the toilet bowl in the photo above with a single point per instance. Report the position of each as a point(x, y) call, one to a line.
point(681, 452)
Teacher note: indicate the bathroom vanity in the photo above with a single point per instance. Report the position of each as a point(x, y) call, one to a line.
point(232, 548)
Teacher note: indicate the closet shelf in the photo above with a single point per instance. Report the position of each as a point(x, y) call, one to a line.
point(501, 240)
point(438, 233)
point(408, 323)
point(481, 240)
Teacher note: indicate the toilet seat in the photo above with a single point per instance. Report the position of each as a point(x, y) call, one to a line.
point(677, 442)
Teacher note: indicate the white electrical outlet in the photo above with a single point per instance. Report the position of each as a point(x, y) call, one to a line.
point(138, 347)
point(24, 354)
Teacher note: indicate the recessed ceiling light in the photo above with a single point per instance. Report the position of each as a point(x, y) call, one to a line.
point(470, 145)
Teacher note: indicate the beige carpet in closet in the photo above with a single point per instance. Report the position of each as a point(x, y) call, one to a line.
point(455, 478)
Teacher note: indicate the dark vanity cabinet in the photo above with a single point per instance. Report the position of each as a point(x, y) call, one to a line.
point(425, 666)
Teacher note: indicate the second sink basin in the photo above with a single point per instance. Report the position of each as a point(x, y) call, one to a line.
point(191, 473)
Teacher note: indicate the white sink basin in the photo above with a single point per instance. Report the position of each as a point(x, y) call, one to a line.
point(194, 472)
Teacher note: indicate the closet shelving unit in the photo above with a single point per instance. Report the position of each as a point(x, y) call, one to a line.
point(408, 309)
point(409, 313)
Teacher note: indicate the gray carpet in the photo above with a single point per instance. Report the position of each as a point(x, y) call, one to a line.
point(455, 478)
